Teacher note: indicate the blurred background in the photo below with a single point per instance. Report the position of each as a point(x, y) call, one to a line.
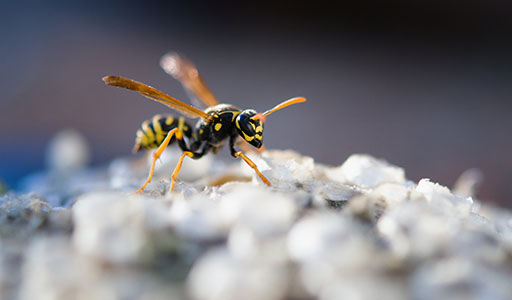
point(425, 85)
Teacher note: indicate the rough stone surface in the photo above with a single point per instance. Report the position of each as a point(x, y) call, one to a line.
point(357, 231)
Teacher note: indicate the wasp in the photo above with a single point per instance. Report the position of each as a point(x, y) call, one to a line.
point(217, 123)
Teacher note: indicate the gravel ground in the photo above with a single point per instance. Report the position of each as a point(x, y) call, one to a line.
point(359, 230)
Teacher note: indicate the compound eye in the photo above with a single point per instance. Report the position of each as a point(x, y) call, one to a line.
point(247, 128)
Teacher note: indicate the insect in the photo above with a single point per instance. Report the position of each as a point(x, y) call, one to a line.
point(218, 122)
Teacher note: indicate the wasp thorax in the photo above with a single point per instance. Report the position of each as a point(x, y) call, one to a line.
point(250, 129)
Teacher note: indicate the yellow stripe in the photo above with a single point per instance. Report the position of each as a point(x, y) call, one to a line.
point(158, 129)
point(169, 120)
point(148, 132)
point(139, 136)
point(181, 123)
point(143, 141)
point(156, 124)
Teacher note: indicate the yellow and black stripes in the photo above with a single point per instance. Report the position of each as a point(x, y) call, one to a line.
point(152, 132)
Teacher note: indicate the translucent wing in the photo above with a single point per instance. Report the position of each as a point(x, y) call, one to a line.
point(184, 71)
point(156, 95)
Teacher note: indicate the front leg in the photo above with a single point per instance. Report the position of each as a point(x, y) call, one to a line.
point(251, 164)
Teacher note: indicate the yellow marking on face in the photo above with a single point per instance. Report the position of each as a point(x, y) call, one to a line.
point(247, 138)
point(169, 120)
point(218, 126)
point(259, 128)
point(235, 114)
point(148, 132)
point(258, 136)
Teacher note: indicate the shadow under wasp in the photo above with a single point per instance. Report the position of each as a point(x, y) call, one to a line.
point(218, 123)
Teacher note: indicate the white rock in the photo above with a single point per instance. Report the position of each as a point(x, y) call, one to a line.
point(52, 271)
point(286, 170)
point(258, 207)
point(67, 151)
point(460, 278)
point(385, 196)
point(330, 193)
point(245, 244)
point(417, 230)
point(366, 171)
point(326, 245)
point(441, 197)
point(321, 235)
point(218, 276)
point(210, 218)
point(368, 286)
point(118, 228)
point(198, 219)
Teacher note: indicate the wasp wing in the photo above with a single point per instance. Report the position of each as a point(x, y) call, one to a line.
point(186, 72)
point(156, 95)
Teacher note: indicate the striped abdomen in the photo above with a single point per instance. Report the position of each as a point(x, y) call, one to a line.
point(153, 132)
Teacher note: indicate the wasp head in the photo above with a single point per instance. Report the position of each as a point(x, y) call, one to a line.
point(250, 128)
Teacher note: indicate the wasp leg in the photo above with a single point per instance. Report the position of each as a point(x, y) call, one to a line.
point(156, 155)
point(174, 175)
point(252, 165)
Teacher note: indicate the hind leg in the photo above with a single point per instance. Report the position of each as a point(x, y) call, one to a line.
point(156, 155)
